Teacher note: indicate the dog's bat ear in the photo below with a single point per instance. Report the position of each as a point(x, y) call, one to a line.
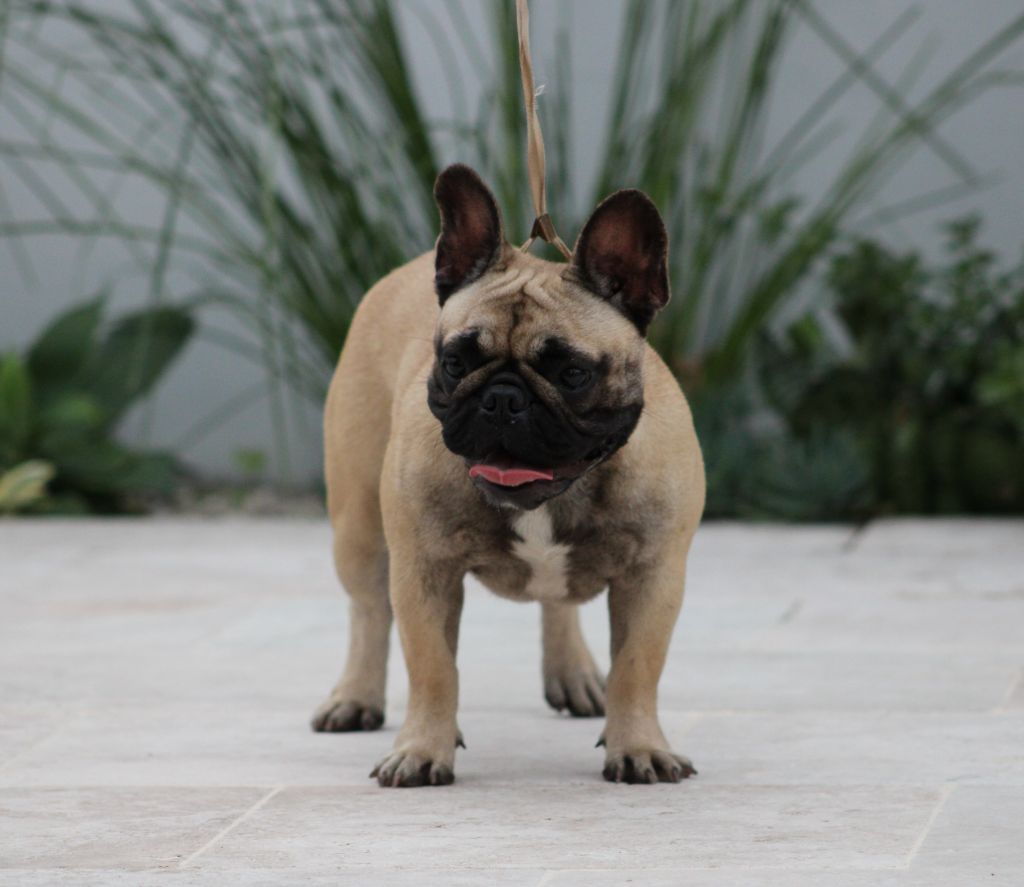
point(471, 237)
point(622, 256)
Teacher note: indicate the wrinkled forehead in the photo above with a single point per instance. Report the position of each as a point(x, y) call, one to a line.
point(518, 311)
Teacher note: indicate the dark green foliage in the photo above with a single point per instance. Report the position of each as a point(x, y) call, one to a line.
point(302, 154)
point(933, 387)
point(296, 157)
point(757, 469)
point(61, 402)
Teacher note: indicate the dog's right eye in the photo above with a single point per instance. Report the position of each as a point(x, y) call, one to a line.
point(574, 378)
point(453, 366)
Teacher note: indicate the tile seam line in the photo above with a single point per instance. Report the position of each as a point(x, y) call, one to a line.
point(944, 792)
point(224, 832)
point(780, 867)
point(1004, 703)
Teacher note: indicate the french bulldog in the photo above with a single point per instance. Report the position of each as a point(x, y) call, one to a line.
point(498, 414)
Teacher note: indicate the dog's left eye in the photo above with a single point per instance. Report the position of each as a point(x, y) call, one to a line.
point(454, 366)
point(574, 378)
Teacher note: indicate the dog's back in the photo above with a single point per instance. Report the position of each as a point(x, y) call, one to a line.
point(390, 338)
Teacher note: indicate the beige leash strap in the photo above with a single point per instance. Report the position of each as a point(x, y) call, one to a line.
point(543, 227)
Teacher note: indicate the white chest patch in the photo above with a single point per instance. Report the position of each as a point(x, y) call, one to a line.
point(548, 560)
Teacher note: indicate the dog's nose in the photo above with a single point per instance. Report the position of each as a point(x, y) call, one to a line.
point(504, 400)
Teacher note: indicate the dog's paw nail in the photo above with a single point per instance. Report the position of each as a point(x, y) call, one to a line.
point(577, 690)
point(409, 769)
point(441, 775)
point(648, 767)
point(371, 719)
point(346, 717)
point(555, 700)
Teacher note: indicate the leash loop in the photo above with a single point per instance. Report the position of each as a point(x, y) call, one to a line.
point(543, 227)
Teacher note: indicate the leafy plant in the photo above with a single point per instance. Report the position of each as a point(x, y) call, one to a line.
point(294, 141)
point(61, 402)
point(24, 485)
point(933, 387)
point(758, 469)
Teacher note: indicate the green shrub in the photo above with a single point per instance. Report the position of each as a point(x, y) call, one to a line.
point(62, 400)
point(296, 144)
point(932, 388)
point(757, 469)
point(296, 158)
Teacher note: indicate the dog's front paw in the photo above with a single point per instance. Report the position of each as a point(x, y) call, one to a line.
point(647, 766)
point(411, 765)
point(345, 715)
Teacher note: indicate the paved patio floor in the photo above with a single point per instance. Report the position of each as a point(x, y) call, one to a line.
point(854, 704)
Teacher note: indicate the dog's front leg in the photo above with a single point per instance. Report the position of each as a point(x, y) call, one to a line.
point(427, 602)
point(643, 611)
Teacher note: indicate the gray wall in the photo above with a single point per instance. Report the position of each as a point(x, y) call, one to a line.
point(990, 133)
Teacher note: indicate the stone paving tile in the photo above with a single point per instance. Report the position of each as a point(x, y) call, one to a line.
point(904, 606)
point(198, 745)
point(693, 681)
point(854, 703)
point(1014, 698)
point(764, 542)
point(836, 681)
point(979, 829)
point(196, 876)
point(184, 745)
point(851, 748)
point(23, 726)
point(479, 824)
point(105, 827)
point(730, 877)
point(500, 668)
point(952, 539)
point(133, 657)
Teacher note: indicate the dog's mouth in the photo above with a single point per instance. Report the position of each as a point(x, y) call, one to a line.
point(507, 481)
point(504, 471)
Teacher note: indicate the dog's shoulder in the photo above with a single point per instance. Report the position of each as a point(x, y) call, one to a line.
point(657, 479)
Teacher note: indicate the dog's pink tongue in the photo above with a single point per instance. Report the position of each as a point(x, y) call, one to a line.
point(510, 476)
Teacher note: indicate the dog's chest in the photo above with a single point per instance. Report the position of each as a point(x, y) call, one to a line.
point(533, 555)
point(534, 544)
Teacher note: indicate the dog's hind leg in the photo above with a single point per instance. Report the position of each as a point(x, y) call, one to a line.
point(355, 431)
point(572, 679)
point(361, 560)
